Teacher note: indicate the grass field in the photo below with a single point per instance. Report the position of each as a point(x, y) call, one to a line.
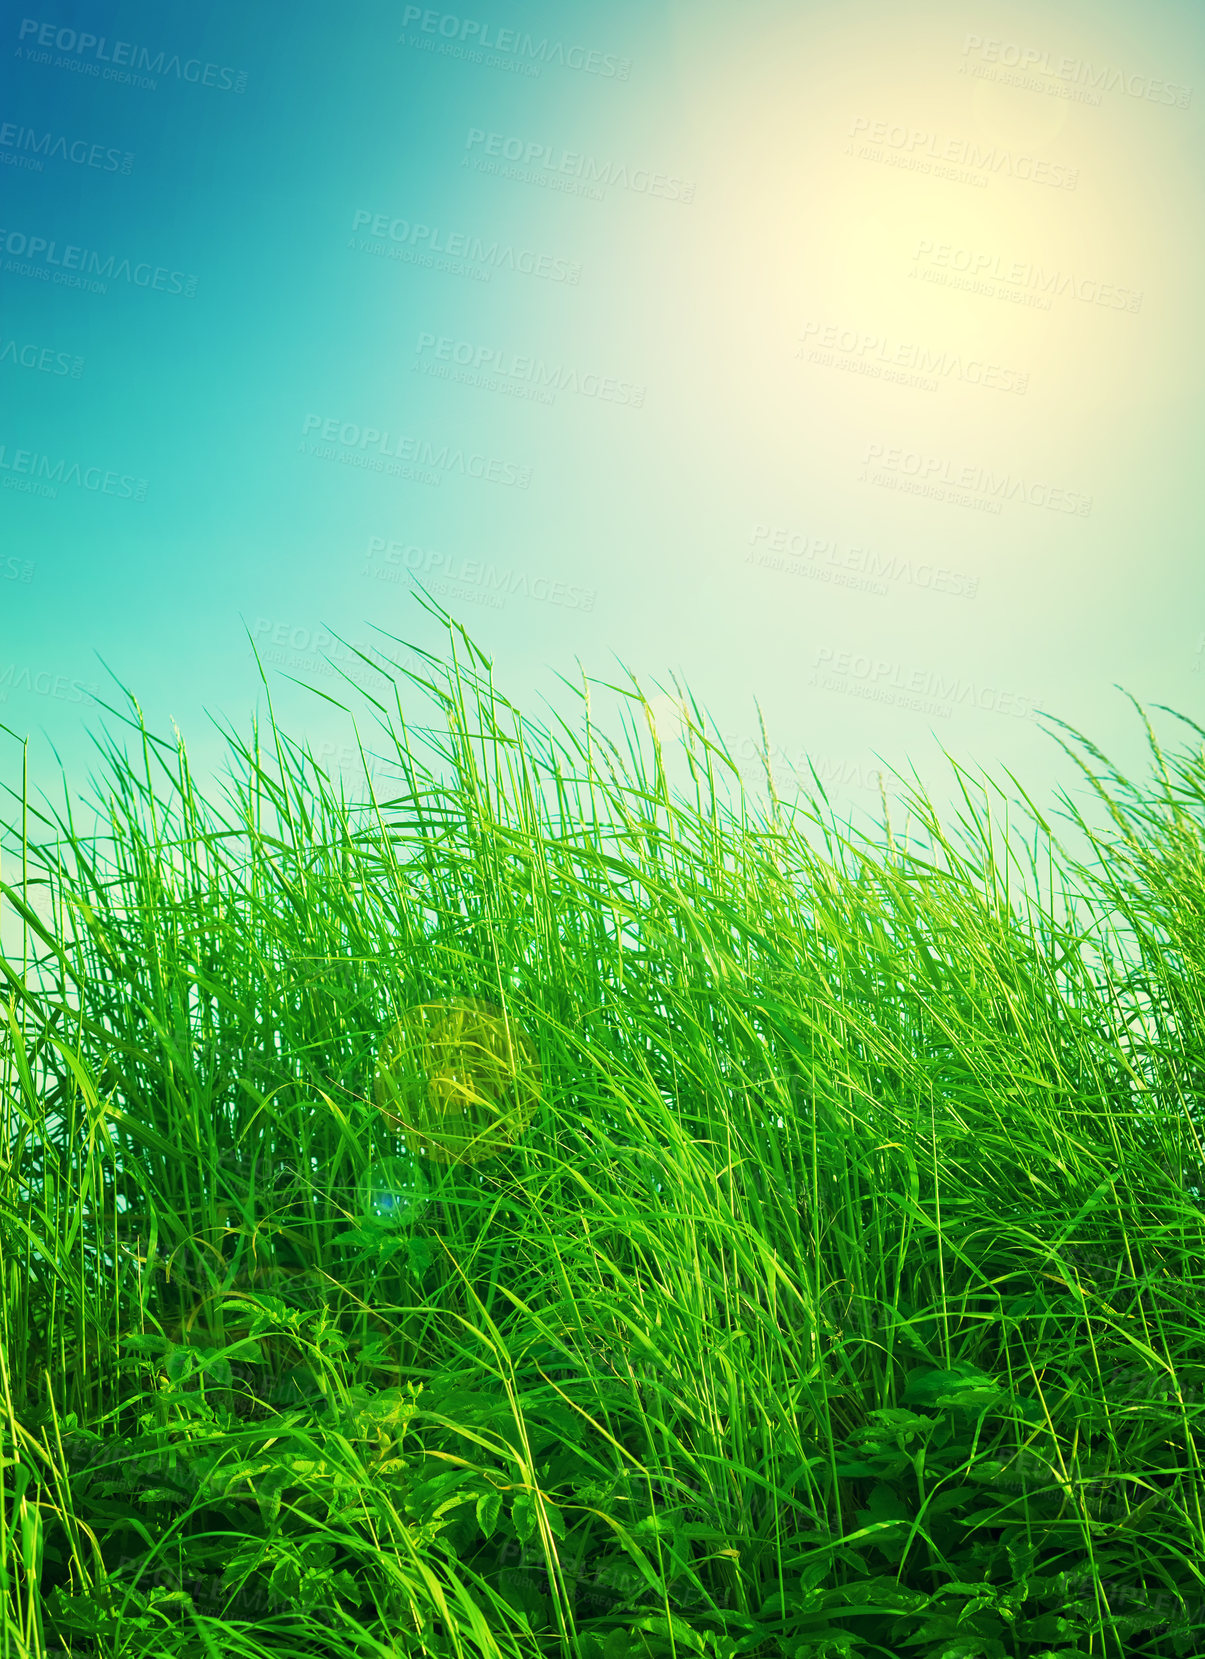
point(525, 1210)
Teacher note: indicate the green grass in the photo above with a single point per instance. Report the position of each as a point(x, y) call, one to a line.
point(842, 1296)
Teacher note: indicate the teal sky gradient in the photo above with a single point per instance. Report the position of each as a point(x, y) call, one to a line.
point(690, 433)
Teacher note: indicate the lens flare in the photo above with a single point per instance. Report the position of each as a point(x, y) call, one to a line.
point(458, 1080)
point(394, 1191)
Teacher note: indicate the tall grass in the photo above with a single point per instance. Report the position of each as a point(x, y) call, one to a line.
point(842, 1297)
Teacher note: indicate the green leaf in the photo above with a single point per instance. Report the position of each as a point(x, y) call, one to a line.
point(987, 1469)
point(927, 1384)
point(489, 1506)
point(523, 1514)
point(675, 1629)
point(367, 1241)
point(884, 1593)
point(144, 1342)
point(964, 1387)
point(268, 1491)
point(899, 1420)
point(180, 1364)
point(392, 1410)
point(434, 1491)
point(284, 1581)
point(807, 1602)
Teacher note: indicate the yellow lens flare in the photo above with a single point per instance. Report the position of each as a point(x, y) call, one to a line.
point(457, 1080)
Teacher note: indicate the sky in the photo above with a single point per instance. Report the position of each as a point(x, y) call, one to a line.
point(838, 360)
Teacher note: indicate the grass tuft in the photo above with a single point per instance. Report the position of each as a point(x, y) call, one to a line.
point(524, 1210)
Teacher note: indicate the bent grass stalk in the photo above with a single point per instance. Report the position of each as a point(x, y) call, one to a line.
point(832, 1283)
